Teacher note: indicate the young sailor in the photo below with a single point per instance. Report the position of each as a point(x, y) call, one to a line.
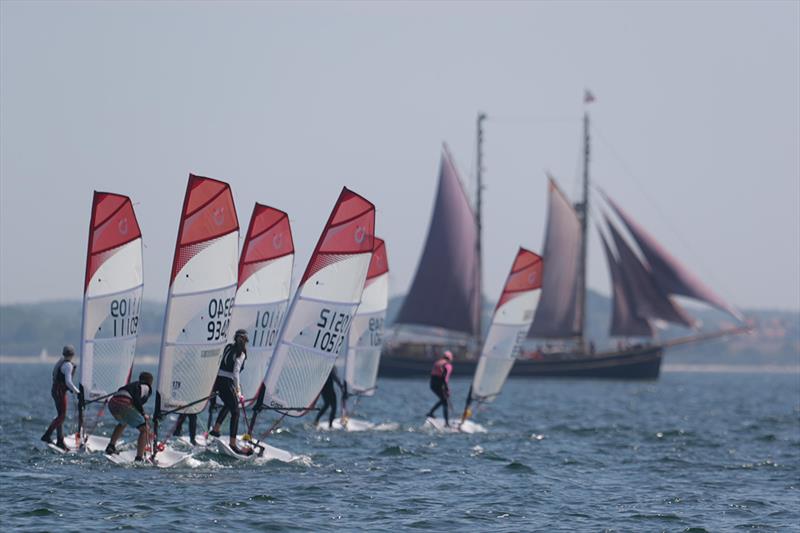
point(440, 383)
point(329, 397)
point(127, 407)
point(228, 389)
point(62, 383)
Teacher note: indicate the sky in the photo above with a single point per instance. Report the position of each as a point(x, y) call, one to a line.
point(695, 127)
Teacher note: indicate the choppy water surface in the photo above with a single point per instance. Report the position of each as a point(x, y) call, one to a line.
point(713, 451)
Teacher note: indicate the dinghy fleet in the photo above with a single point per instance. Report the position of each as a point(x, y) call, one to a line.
point(335, 318)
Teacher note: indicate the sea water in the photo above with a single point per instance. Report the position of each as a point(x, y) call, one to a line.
point(715, 450)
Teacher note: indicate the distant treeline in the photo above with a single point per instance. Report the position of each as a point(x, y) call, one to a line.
point(27, 329)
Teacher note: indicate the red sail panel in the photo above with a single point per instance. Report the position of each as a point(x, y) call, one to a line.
point(350, 230)
point(208, 213)
point(379, 264)
point(113, 224)
point(525, 275)
point(269, 236)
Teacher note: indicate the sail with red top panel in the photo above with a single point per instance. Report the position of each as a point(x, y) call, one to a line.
point(201, 295)
point(509, 327)
point(112, 295)
point(365, 340)
point(265, 279)
point(318, 322)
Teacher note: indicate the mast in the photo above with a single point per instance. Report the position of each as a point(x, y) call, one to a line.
point(584, 214)
point(478, 202)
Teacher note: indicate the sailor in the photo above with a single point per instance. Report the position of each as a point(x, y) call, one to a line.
point(62, 383)
point(228, 388)
point(328, 394)
point(127, 407)
point(440, 383)
point(192, 427)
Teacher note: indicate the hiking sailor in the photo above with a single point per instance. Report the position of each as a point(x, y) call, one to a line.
point(127, 408)
point(328, 394)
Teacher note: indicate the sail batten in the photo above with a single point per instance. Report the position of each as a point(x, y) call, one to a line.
point(112, 295)
point(667, 271)
point(558, 313)
point(319, 318)
point(444, 293)
point(201, 294)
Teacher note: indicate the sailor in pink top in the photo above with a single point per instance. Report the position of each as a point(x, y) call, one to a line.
point(440, 383)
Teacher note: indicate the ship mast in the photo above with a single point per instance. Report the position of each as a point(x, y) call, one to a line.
point(584, 213)
point(478, 205)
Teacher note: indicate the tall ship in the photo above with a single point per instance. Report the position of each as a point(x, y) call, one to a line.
point(442, 309)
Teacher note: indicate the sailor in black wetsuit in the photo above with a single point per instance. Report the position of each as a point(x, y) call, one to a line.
point(228, 389)
point(328, 394)
point(127, 407)
point(62, 383)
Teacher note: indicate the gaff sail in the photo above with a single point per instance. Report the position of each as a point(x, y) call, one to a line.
point(365, 340)
point(319, 318)
point(510, 324)
point(112, 295)
point(201, 295)
point(265, 279)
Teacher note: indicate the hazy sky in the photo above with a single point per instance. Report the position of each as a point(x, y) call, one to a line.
point(697, 125)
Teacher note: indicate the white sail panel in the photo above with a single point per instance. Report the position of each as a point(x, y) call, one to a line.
point(112, 296)
point(317, 324)
point(201, 296)
point(510, 324)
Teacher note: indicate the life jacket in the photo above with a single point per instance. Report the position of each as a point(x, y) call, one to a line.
point(133, 392)
point(58, 376)
point(442, 369)
point(229, 356)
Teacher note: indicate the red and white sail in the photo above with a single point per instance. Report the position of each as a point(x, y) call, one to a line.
point(112, 295)
point(201, 294)
point(318, 321)
point(265, 280)
point(365, 340)
point(510, 324)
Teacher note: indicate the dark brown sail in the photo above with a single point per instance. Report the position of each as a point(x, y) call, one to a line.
point(650, 301)
point(668, 273)
point(624, 320)
point(558, 314)
point(444, 292)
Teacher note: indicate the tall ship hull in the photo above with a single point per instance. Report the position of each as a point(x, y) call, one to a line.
point(636, 363)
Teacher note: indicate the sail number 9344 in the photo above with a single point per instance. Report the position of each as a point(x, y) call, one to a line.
point(332, 327)
point(219, 318)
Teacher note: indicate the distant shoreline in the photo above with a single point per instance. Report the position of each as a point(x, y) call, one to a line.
point(50, 360)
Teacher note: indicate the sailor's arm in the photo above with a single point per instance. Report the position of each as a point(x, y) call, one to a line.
point(237, 369)
point(66, 369)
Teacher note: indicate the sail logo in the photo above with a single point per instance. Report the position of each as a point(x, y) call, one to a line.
point(122, 226)
point(219, 216)
point(360, 234)
point(277, 241)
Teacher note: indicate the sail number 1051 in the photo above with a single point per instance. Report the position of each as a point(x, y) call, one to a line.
point(332, 327)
